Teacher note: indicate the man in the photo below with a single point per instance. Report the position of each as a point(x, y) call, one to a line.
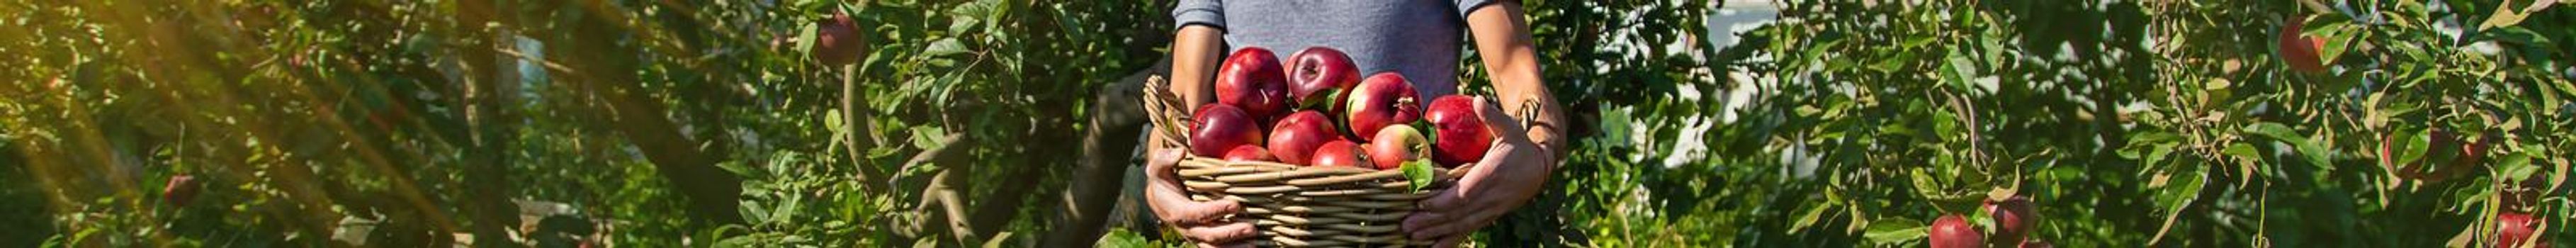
point(1418, 39)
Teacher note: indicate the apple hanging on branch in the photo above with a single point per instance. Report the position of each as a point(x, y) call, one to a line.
point(2304, 53)
point(180, 190)
point(2013, 218)
point(837, 41)
point(1954, 231)
point(2513, 229)
point(2431, 156)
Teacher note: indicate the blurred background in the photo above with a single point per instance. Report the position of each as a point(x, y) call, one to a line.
point(1014, 123)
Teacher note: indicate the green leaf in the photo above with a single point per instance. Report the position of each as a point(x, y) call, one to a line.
point(1121, 238)
point(1418, 173)
point(1894, 230)
point(943, 47)
point(754, 212)
point(2506, 16)
point(805, 39)
point(2339, 32)
point(1808, 218)
point(926, 137)
point(2177, 193)
point(2316, 154)
point(1958, 71)
point(832, 121)
point(968, 16)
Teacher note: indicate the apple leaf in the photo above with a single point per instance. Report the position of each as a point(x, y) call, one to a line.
point(2339, 32)
point(1893, 230)
point(1120, 237)
point(1808, 217)
point(2176, 195)
point(2507, 16)
point(1419, 173)
point(2415, 145)
point(1429, 132)
point(805, 39)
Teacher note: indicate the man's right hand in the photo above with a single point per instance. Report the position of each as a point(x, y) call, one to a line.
point(1208, 222)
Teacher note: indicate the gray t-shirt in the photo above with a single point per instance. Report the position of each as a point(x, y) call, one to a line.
point(1418, 38)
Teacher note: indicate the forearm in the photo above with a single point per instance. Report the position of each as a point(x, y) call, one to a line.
point(1195, 52)
point(1503, 41)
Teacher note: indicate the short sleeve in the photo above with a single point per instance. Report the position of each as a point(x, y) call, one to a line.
point(1469, 6)
point(1199, 12)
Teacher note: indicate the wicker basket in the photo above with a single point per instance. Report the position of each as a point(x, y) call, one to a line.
point(1292, 205)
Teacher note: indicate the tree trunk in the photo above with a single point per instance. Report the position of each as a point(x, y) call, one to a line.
point(489, 141)
point(1117, 118)
point(609, 69)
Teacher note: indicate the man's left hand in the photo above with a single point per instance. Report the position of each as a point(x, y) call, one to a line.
point(1512, 172)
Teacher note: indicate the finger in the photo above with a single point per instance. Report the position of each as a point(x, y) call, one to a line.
point(1185, 212)
point(1445, 198)
point(1415, 223)
point(1163, 162)
point(1445, 228)
point(1175, 208)
point(1226, 245)
point(1245, 243)
point(1451, 241)
point(1504, 126)
point(1164, 196)
point(1221, 234)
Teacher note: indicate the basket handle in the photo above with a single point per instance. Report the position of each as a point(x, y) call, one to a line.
point(1164, 109)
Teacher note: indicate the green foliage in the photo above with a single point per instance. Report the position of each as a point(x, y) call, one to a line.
point(2173, 123)
point(2155, 122)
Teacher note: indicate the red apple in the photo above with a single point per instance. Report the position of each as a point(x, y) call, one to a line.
point(1219, 127)
point(1953, 231)
point(1319, 76)
point(837, 41)
point(179, 190)
point(2302, 52)
point(1395, 145)
point(1252, 79)
point(1248, 153)
point(1295, 137)
point(1381, 100)
point(2472, 151)
point(1342, 153)
point(2013, 219)
point(2514, 228)
point(2440, 144)
point(1461, 132)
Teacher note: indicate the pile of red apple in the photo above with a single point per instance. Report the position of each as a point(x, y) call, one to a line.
point(1316, 110)
point(2013, 221)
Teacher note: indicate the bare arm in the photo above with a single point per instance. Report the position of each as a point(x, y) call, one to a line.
point(1503, 40)
point(1521, 154)
point(1195, 52)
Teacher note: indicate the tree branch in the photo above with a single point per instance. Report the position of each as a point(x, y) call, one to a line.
point(1117, 118)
